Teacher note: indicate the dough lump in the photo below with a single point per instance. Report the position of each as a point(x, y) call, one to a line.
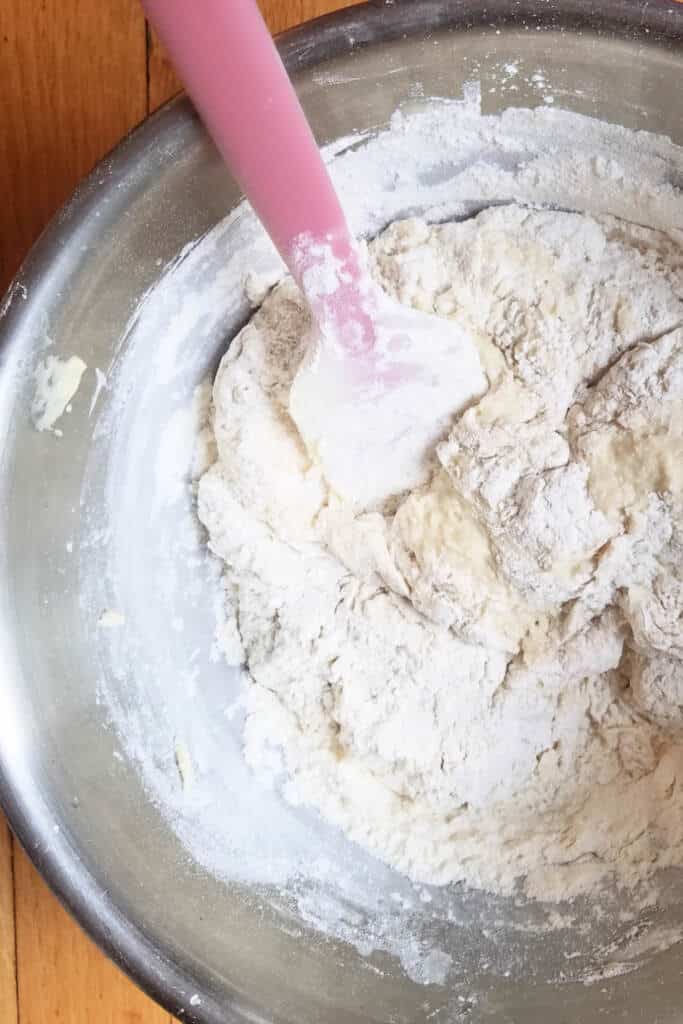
point(481, 680)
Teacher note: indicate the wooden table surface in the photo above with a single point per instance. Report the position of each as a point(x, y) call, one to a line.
point(75, 75)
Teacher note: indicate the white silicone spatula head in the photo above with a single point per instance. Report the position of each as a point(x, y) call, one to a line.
point(381, 382)
point(372, 418)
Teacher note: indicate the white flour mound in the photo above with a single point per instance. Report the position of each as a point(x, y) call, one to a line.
point(482, 680)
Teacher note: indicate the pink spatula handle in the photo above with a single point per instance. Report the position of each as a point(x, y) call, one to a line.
point(232, 70)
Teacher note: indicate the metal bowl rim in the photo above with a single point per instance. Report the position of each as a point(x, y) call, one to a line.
point(652, 22)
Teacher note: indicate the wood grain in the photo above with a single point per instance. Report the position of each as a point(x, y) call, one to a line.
point(282, 14)
point(73, 82)
point(163, 83)
point(8, 981)
point(62, 975)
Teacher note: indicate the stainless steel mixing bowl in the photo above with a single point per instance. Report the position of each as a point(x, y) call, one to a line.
point(210, 948)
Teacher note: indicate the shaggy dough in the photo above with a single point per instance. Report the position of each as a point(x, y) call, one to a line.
point(482, 679)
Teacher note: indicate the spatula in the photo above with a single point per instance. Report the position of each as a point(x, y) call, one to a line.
point(381, 382)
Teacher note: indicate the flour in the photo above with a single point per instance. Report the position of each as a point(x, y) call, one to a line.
point(481, 680)
point(111, 618)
